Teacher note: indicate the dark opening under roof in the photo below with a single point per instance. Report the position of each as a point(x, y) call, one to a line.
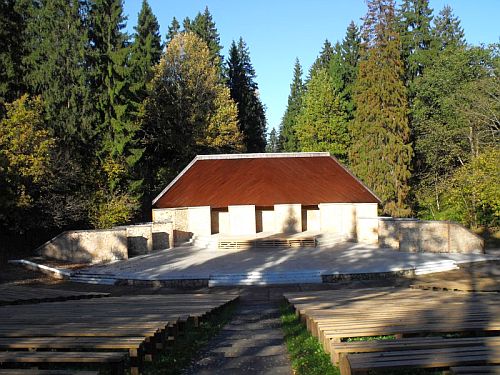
point(307, 178)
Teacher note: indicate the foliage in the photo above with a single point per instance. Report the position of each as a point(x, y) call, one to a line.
point(187, 112)
point(452, 123)
point(244, 91)
point(288, 138)
point(25, 146)
point(307, 355)
point(323, 60)
point(54, 67)
point(145, 51)
point(12, 26)
point(173, 29)
point(447, 30)
point(380, 153)
point(322, 122)
point(110, 210)
point(273, 142)
point(204, 27)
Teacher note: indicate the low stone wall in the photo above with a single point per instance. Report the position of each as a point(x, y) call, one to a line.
point(412, 235)
point(93, 246)
point(87, 246)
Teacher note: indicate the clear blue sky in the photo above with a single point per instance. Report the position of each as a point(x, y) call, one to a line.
point(277, 31)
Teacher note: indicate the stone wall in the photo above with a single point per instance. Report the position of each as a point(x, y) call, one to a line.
point(413, 235)
point(94, 246)
point(87, 246)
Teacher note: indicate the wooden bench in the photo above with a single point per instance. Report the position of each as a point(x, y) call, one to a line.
point(115, 360)
point(475, 370)
point(46, 372)
point(338, 349)
point(353, 364)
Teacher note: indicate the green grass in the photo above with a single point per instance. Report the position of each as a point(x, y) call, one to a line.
point(306, 353)
point(186, 346)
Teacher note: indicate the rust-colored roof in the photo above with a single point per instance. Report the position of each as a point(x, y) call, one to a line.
point(263, 180)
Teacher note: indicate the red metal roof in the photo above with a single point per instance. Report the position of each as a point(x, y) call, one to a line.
point(263, 180)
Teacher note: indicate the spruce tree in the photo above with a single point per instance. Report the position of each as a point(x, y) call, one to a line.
point(12, 26)
point(416, 38)
point(56, 38)
point(273, 142)
point(447, 30)
point(118, 150)
point(173, 29)
point(323, 60)
point(145, 51)
point(322, 121)
point(244, 91)
point(204, 26)
point(380, 153)
point(288, 138)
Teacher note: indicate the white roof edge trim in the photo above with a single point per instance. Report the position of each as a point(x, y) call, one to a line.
point(357, 179)
point(174, 180)
point(263, 155)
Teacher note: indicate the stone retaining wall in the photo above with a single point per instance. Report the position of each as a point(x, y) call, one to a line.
point(94, 246)
point(413, 235)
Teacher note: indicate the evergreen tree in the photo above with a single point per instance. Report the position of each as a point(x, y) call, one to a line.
point(350, 51)
point(416, 38)
point(273, 142)
point(173, 30)
point(288, 138)
point(118, 150)
point(187, 112)
point(204, 26)
point(447, 30)
point(380, 153)
point(322, 122)
point(145, 52)
point(244, 91)
point(323, 60)
point(57, 40)
point(12, 26)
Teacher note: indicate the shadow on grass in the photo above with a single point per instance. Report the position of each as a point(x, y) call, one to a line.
point(179, 356)
point(306, 354)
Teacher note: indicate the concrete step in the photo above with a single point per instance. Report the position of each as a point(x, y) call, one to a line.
point(93, 280)
point(436, 266)
point(265, 278)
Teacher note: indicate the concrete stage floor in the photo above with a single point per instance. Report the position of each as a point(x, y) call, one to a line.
point(347, 258)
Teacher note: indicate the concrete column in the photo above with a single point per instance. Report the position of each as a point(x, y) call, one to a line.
point(288, 218)
point(242, 219)
point(367, 223)
point(199, 220)
point(339, 218)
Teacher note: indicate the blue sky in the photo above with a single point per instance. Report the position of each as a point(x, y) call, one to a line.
point(278, 31)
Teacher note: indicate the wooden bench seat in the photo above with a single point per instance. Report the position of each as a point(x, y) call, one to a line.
point(45, 372)
point(338, 349)
point(475, 370)
point(113, 359)
point(353, 364)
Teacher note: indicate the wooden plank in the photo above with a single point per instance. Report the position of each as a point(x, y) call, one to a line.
point(475, 370)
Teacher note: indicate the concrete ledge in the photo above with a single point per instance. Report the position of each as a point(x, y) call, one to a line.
point(332, 278)
point(54, 272)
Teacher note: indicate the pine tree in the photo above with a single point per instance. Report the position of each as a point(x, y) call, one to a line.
point(204, 26)
point(322, 121)
point(145, 51)
point(323, 60)
point(173, 30)
point(447, 30)
point(12, 26)
point(244, 91)
point(416, 38)
point(57, 40)
point(380, 154)
point(288, 138)
point(273, 142)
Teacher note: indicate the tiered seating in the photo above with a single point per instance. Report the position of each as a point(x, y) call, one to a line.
point(402, 328)
point(12, 295)
point(116, 331)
